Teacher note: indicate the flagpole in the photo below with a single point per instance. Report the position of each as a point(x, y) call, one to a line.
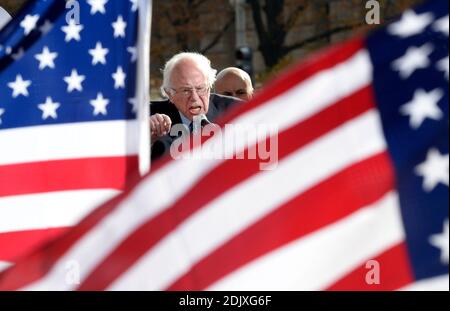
point(143, 84)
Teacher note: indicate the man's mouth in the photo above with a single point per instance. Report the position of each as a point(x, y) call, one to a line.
point(195, 110)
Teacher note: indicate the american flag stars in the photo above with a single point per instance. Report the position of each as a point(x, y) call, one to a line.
point(74, 81)
point(427, 108)
point(119, 27)
point(20, 87)
point(99, 54)
point(434, 170)
point(119, 78)
point(77, 80)
point(2, 111)
point(29, 23)
point(46, 59)
point(100, 104)
point(441, 241)
point(72, 31)
point(411, 24)
point(414, 59)
point(135, 5)
point(442, 25)
point(424, 105)
point(49, 109)
point(443, 65)
point(97, 6)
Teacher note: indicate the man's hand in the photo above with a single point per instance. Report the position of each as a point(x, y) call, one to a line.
point(160, 125)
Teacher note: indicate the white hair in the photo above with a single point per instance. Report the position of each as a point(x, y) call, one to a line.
point(203, 63)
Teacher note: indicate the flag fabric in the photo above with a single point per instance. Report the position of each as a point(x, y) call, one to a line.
point(69, 132)
point(358, 200)
point(4, 17)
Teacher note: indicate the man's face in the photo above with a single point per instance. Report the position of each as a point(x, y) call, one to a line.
point(189, 90)
point(232, 84)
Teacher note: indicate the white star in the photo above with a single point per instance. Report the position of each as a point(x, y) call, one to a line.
point(410, 24)
point(74, 81)
point(8, 50)
point(49, 109)
point(46, 59)
point(442, 25)
point(119, 78)
point(424, 105)
point(443, 65)
point(99, 54)
point(119, 27)
point(133, 51)
point(97, 6)
point(20, 86)
point(135, 5)
point(29, 23)
point(20, 53)
point(2, 111)
point(441, 241)
point(45, 29)
point(133, 102)
point(415, 58)
point(434, 170)
point(72, 31)
point(100, 104)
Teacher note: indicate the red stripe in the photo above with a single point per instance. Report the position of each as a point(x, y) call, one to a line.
point(38, 265)
point(217, 182)
point(395, 273)
point(74, 174)
point(34, 267)
point(328, 202)
point(13, 245)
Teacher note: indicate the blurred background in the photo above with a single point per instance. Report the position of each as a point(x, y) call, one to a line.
point(261, 36)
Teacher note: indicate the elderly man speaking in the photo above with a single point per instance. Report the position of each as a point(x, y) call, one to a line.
point(188, 80)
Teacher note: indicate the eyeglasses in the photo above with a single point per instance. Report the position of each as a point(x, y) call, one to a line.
point(188, 91)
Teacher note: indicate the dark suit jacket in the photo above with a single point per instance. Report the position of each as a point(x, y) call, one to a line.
point(218, 104)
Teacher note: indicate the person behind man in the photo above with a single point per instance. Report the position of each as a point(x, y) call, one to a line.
point(234, 82)
point(187, 82)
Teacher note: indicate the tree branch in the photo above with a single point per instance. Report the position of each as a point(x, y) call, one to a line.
point(293, 17)
point(257, 18)
point(196, 5)
point(218, 36)
point(320, 36)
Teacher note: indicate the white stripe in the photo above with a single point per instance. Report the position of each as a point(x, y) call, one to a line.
point(253, 199)
point(317, 261)
point(68, 141)
point(440, 283)
point(49, 210)
point(143, 81)
point(168, 184)
point(4, 265)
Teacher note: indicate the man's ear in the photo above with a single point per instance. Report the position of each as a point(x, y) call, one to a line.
point(169, 97)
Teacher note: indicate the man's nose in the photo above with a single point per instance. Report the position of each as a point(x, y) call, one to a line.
point(194, 95)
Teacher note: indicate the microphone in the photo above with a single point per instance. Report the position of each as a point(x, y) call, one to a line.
point(198, 123)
